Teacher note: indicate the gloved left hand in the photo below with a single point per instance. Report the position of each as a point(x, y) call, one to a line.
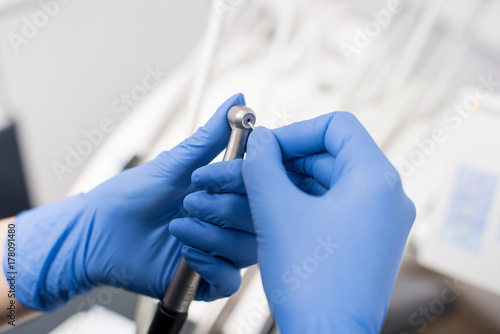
point(117, 234)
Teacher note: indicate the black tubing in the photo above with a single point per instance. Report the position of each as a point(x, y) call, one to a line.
point(167, 321)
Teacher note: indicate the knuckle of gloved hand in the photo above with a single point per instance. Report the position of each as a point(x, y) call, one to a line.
point(387, 186)
point(383, 184)
point(227, 286)
point(344, 118)
point(411, 211)
point(304, 165)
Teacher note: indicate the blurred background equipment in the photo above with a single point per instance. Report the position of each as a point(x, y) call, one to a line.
point(100, 86)
point(13, 192)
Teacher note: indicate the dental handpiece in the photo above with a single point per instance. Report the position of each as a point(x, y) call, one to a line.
point(173, 308)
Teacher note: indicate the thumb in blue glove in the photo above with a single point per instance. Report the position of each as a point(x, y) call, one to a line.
point(117, 234)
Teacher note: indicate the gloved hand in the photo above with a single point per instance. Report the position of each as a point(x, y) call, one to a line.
point(117, 234)
point(220, 222)
point(330, 231)
point(219, 226)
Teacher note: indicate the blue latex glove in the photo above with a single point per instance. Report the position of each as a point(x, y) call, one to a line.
point(220, 222)
point(220, 226)
point(117, 234)
point(331, 220)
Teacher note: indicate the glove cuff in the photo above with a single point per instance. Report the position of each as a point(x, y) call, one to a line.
point(51, 243)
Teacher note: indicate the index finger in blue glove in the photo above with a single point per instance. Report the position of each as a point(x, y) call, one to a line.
point(225, 177)
point(220, 177)
point(225, 210)
point(341, 135)
point(234, 245)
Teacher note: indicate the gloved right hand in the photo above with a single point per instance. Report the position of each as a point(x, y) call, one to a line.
point(329, 246)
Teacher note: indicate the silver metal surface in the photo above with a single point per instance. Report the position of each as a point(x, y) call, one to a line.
point(241, 120)
point(184, 284)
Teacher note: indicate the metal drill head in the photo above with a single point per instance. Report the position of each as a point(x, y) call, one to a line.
point(241, 117)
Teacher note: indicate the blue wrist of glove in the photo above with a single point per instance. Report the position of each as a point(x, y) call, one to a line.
point(50, 252)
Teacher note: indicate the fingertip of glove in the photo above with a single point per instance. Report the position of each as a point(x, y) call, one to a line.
point(196, 177)
point(240, 97)
point(197, 201)
point(202, 176)
point(172, 226)
point(236, 99)
point(175, 226)
point(221, 277)
point(231, 285)
point(218, 123)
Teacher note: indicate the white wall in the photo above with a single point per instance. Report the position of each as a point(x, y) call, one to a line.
point(65, 78)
